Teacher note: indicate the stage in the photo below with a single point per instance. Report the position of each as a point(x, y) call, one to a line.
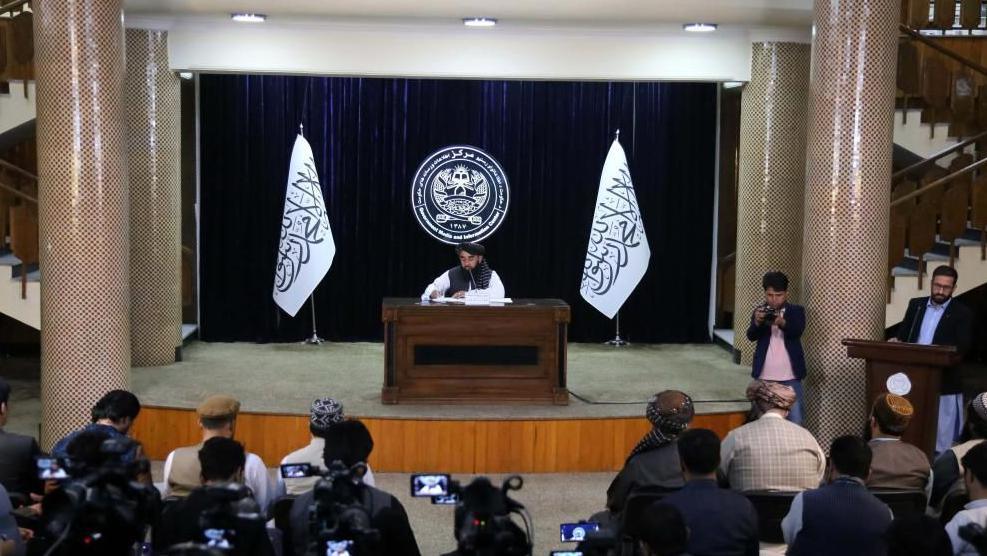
point(277, 382)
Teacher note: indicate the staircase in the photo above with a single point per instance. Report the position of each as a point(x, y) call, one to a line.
point(939, 205)
point(20, 287)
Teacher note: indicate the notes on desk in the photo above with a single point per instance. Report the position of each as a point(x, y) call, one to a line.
point(473, 300)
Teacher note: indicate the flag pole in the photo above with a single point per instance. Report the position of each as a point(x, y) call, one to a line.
point(617, 341)
point(314, 339)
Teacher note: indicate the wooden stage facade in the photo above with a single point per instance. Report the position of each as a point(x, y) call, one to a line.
point(436, 445)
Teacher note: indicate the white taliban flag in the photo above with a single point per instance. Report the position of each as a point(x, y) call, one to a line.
point(618, 253)
point(306, 249)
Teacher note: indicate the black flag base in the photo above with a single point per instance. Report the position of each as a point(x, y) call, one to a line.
point(617, 341)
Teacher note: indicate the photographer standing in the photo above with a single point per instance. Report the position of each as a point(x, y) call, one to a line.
point(777, 327)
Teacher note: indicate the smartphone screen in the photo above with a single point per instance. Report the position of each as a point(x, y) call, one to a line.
point(566, 553)
point(338, 548)
point(219, 538)
point(447, 499)
point(296, 470)
point(430, 485)
point(575, 532)
point(49, 469)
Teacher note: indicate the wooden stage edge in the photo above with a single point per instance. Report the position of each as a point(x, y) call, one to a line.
point(435, 445)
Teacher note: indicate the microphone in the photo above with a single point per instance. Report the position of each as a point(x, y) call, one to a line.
point(911, 330)
point(472, 280)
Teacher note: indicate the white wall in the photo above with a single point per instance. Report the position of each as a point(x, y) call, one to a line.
point(433, 50)
point(14, 108)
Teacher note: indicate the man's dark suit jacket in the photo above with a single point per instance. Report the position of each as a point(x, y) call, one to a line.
point(18, 470)
point(721, 522)
point(954, 329)
point(794, 326)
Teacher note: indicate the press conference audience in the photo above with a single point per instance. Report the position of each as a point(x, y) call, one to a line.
point(974, 464)
point(217, 417)
point(842, 516)
point(895, 464)
point(720, 521)
point(113, 415)
point(324, 413)
point(221, 461)
point(947, 470)
point(18, 452)
point(654, 461)
point(350, 443)
point(771, 453)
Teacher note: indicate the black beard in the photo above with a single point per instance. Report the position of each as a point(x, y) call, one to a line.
point(940, 299)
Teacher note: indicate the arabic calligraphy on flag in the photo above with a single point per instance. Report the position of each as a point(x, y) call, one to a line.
point(306, 248)
point(618, 253)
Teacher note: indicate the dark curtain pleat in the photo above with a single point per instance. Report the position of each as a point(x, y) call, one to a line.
point(369, 135)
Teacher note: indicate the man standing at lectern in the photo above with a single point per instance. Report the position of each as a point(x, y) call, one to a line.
point(473, 273)
point(940, 320)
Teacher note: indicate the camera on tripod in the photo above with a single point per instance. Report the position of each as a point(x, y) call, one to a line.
point(100, 508)
point(483, 524)
point(338, 521)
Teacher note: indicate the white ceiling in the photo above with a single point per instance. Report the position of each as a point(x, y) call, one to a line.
point(551, 12)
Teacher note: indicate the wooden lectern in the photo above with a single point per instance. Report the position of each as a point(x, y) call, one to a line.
point(923, 365)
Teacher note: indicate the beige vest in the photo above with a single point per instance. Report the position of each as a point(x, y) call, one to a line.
point(897, 464)
point(185, 473)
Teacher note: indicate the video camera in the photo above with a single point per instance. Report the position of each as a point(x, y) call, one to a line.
point(230, 511)
point(483, 524)
point(99, 508)
point(338, 521)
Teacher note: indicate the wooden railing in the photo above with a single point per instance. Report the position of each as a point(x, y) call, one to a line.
point(931, 202)
point(945, 14)
point(19, 216)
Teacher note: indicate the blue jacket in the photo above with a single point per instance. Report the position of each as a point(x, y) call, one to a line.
point(721, 522)
point(794, 326)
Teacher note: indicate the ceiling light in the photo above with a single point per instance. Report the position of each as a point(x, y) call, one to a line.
point(185, 75)
point(700, 27)
point(479, 21)
point(248, 18)
point(732, 84)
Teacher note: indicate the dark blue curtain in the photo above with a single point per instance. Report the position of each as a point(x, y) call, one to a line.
point(370, 135)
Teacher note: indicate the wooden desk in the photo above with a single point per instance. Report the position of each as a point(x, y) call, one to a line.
point(442, 353)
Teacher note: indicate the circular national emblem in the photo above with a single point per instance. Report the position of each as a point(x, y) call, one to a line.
point(460, 194)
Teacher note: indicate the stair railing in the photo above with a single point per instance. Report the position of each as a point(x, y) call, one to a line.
point(25, 246)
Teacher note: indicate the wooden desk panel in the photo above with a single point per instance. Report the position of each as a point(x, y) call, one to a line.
point(506, 372)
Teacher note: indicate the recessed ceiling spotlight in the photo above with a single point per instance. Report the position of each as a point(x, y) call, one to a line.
point(479, 21)
point(700, 27)
point(732, 84)
point(248, 18)
point(185, 75)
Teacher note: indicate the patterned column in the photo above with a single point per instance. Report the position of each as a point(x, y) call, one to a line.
point(83, 208)
point(847, 197)
point(153, 114)
point(772, 177)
